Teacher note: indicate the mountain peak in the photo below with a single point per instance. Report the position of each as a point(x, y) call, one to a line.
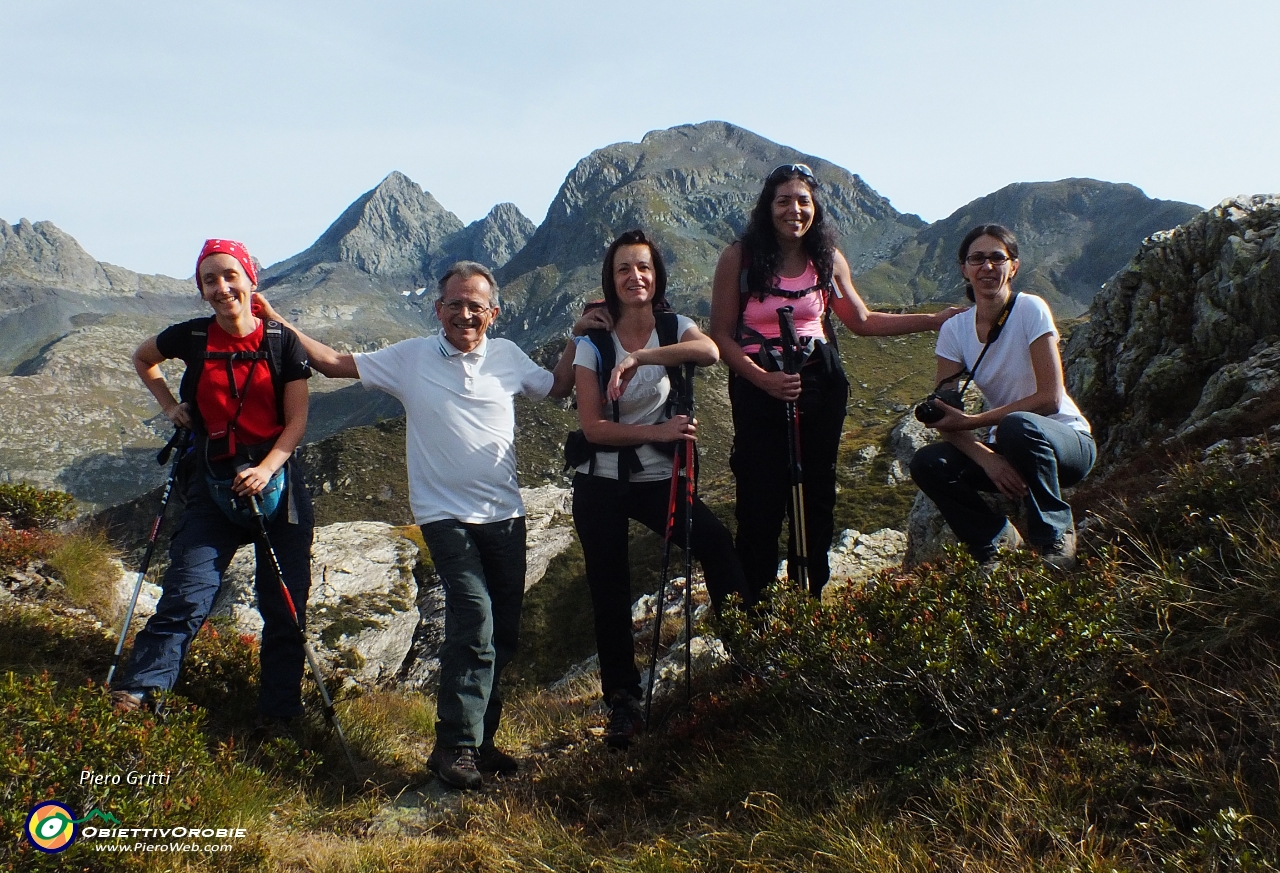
point(395, 229)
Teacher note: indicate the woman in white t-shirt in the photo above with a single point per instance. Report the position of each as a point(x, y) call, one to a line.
point(1039, 442)
point(629, 475)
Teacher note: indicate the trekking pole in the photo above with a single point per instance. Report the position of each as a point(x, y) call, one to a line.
point(176, 446)
point(330, 714)
point(791, 363)
point(676, 460)
point(690, 475)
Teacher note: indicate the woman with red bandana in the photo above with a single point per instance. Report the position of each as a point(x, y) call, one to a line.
point(244, 395)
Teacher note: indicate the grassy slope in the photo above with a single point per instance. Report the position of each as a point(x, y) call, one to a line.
point(1164, 760)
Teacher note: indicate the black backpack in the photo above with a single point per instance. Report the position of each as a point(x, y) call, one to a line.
point(578, 450)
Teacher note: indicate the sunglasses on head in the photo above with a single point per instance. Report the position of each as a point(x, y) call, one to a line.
point(788, 170)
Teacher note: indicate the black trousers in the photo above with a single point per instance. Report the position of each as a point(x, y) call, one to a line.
point(600, 513)
point(761, 465)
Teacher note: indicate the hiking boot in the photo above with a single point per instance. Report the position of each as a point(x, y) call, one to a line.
point(276, 727)
point(1007, 540)
point(626, 720)
point(491, 759)
point(124, 702)
point(455, 767)
point(1061, 553)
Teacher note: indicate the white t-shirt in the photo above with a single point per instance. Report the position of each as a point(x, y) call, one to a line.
point(460, 439)
point(642, 403)
point(1006, 374)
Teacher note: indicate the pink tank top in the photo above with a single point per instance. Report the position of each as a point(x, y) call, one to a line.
point(762, 315)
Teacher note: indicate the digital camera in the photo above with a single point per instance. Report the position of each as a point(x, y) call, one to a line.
point(928, 411)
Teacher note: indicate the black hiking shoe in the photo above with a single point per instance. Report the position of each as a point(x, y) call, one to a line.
point(491, 759)
point(455, 767)
point(1007, 540)
point(626, 720)
point(1061, 553)
point(277, 727)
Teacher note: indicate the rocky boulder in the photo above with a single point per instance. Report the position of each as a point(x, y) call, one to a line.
point(362, 611)
point(856, 557)
point(1182, 344)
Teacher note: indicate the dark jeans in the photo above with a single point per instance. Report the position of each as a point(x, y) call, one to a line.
point(202, 547)
point(601, 513)
point(762, 468)
point(1047, 454)
point(482, 568)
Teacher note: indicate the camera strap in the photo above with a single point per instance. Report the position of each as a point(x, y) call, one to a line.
point(992, 336)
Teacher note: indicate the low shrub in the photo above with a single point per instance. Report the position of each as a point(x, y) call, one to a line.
point(941, 652)
point(220, 672)
point(21, 547)
point(55, 734)
point(26, 506)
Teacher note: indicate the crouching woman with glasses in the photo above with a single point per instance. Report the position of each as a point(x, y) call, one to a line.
point(1039, 442)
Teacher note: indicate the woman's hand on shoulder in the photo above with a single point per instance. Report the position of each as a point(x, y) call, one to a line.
point(941, 318)
point(595, 318)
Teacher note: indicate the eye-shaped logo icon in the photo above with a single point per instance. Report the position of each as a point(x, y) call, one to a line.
point(51, 826)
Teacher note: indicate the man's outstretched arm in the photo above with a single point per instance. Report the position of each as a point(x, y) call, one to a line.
point(330, 362)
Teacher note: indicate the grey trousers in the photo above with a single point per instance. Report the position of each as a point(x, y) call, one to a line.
point(482, 567)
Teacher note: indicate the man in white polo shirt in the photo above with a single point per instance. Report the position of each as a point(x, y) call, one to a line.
point(457, 388)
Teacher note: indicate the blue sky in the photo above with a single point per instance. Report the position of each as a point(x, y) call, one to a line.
point(143, 127)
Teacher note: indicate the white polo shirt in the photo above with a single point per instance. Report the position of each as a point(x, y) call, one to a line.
point(460, 439)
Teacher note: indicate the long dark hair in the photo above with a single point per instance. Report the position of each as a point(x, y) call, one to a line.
point(1000, 232)
point(761, 239)
point(633, 238)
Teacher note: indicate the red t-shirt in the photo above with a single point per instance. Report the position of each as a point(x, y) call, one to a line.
point(258, 421)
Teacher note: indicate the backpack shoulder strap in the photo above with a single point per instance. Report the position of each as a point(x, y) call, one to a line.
point(603, 341)
point(668, 335)
point(273, 339)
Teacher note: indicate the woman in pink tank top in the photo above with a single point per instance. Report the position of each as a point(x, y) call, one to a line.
point(788, 257)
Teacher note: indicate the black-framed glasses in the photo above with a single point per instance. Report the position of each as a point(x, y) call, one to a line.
point(997, 259)
point(787, 170)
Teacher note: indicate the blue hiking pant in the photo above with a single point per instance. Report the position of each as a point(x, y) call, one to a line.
point(202, 547)
point(482, 569)
point(1047, 454)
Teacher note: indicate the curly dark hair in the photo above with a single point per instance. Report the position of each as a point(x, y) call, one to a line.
point(762, 241)
point(610, 287)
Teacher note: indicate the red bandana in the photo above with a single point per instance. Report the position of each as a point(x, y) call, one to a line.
point(227, 247)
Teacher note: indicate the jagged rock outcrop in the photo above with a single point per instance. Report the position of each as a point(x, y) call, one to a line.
point(1183, 343)
point(1073, 234)
point(362, 612)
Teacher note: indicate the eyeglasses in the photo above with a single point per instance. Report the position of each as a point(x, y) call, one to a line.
point(997, 259)
point(466, 307)
point(790, 170)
